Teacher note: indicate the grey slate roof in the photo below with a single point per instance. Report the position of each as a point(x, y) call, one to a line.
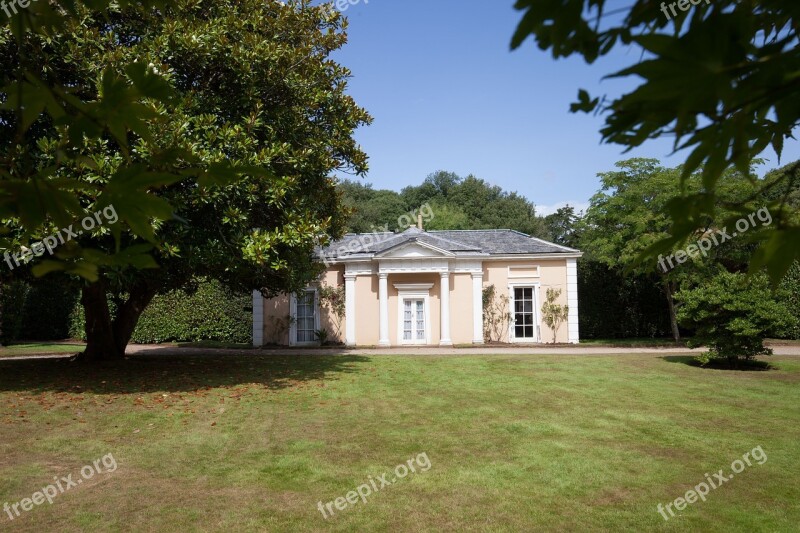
point(460, 242)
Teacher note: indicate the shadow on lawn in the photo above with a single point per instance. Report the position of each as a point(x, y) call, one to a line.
point(742, 366)
point(171, 372)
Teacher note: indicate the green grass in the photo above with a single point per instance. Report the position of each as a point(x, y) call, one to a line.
point(634, 343)
point(39, 348)
point(516, 443)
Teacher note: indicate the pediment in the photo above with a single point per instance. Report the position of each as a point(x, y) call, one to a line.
point(411, 250)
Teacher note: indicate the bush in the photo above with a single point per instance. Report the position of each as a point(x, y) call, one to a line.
point(210, 313)
point(790, 295)
point(38, 311)
point(732, 314)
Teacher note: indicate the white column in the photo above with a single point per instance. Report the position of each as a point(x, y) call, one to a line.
point(350, 310)
point(477, 308)
point(258, 319)
point(572, 300)
point(444, 298)
point(383, 295)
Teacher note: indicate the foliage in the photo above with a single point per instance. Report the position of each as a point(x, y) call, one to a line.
point(220, 124)
point(732, 314)
point(322, 336)
point(553, 314)
point(562, 226)
point(630, 214)
point(332, 299)
point(37, 310)
point(790, 290)
point(447, 216)
point(496, 315)
point(209, 312)
point(617, 305)
point(458, 203)
point(740, 60)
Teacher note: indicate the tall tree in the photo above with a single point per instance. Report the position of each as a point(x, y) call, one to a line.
point(562, 226)
point(720, 78)
point(253, 88)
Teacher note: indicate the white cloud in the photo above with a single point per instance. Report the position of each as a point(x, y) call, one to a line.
point(544, 210)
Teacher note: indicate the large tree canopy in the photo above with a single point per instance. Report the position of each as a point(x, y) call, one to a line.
point(242, 118)
point(720, 77)
point(628, 215)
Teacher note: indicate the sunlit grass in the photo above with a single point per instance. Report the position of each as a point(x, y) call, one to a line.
point(516, 443)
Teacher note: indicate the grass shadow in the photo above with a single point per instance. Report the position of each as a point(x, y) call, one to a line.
point(742, 366)
point(171, 372)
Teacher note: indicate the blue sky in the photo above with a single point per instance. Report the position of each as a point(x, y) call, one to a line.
point(447, 93)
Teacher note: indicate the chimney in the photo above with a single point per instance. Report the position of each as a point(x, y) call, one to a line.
point(419, 221)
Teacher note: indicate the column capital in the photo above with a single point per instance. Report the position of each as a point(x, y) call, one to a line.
point(477, 275)
point(350, 277)
point(444, 274)
point(383, 275)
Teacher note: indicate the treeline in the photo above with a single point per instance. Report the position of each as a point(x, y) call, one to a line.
point(457, 203)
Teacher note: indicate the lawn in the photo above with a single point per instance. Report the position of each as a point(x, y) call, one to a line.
point(514, 443)
point(40, 348)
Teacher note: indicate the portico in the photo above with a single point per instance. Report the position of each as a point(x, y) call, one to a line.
point(415, 292)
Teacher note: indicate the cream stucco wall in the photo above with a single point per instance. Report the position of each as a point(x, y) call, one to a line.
point(551, 273)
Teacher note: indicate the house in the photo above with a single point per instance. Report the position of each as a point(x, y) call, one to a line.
point(426, 288)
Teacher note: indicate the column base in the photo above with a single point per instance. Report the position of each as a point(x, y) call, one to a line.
point(478, 341)
point(384, 344)
point(446, 343)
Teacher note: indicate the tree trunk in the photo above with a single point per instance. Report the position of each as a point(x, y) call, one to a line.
point(100, 343)
point(107, 339)
point(128, 315)
point(669, 291)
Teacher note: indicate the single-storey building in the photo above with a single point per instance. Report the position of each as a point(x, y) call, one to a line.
point(427, 288)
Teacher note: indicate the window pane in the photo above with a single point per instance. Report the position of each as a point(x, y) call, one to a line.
point(519, 331)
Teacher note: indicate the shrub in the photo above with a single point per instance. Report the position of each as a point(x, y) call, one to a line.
point(732, 314)
point(209, 313)
point(38, 310)
point(790, 294)
point(554, 314)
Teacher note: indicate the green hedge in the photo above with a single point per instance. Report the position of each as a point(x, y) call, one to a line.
point(39, 311)
point(791, 287)
point(211, 313)
point(613, 305)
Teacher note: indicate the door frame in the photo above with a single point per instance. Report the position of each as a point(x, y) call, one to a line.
point(537, 318)
point(293, 312)
point(413, 291)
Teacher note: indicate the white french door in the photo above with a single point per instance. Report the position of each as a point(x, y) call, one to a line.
point(525, 324)
point(414, 321)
